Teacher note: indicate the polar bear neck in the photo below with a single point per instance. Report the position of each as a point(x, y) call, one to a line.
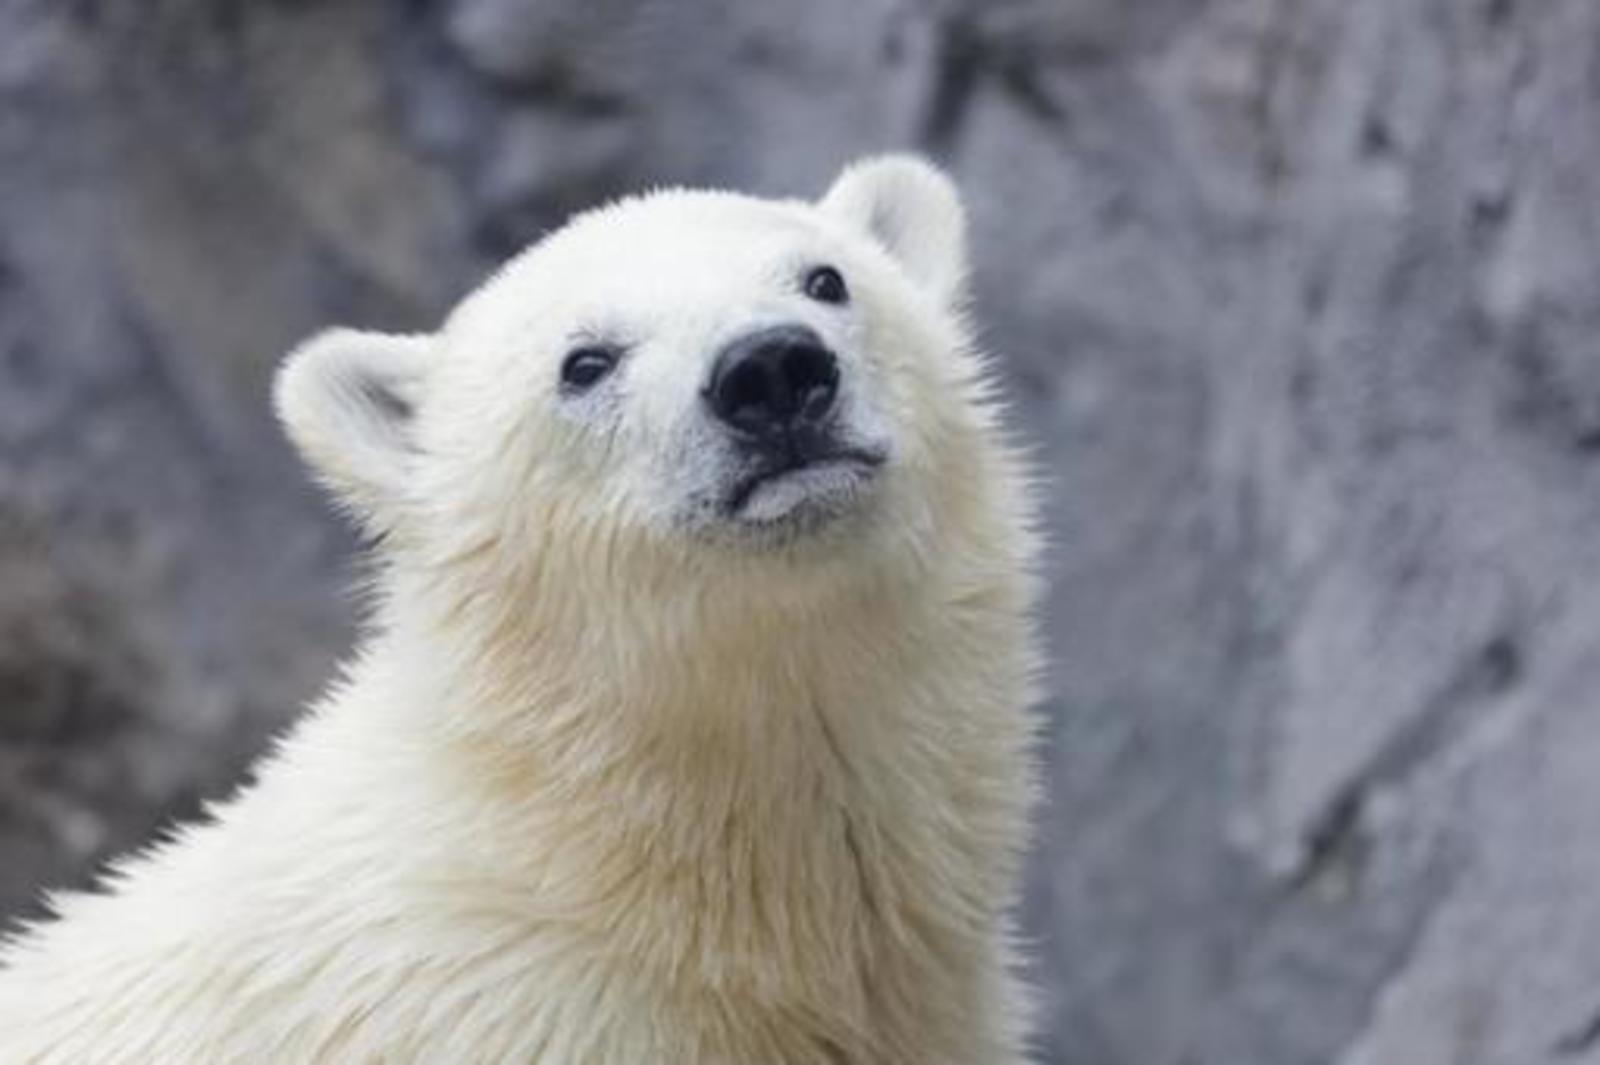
point(724, 788)
point(695, 694)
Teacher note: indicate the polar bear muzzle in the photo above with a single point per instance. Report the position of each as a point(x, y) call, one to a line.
point(774, 392)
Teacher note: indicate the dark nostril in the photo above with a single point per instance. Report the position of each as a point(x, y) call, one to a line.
point(747, 391)
point(812, 376)
point(766, 382)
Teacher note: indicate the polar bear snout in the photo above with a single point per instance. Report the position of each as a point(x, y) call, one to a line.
point(775, 393)
point(768, 384)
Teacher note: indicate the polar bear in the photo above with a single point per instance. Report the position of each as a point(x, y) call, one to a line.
point(690, 725)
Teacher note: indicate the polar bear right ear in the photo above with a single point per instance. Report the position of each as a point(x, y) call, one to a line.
point(347, 399)
point(910, 208)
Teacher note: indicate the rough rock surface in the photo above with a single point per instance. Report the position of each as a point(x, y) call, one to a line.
point(1297, 298)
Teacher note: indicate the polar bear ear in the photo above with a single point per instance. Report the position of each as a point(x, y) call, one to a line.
point(912, 209)
point(347, 399)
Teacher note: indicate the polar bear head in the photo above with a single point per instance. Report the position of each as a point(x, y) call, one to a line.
point(671, 384)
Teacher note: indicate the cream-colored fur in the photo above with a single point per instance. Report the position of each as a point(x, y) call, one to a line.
point(599, 787)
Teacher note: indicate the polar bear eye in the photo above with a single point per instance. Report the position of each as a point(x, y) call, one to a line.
point(825, 285)
point(584, 367)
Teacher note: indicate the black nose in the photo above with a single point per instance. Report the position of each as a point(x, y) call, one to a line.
point(772, 380)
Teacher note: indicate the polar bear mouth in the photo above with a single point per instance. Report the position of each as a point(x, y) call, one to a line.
point(817, 486)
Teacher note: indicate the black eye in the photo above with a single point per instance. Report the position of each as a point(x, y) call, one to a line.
point(825, 285)
point(585, 366)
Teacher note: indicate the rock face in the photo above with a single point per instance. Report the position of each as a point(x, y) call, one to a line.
point(1297, 299)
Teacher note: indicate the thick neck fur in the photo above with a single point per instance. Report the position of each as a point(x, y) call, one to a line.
point(798, 785)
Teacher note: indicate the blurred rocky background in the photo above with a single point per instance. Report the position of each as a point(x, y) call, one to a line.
point(1297, 298)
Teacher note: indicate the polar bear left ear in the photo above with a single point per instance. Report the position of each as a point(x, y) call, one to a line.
point(347, 399)
point(912, 209)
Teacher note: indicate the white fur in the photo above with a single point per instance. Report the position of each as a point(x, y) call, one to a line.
point(606, 784)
